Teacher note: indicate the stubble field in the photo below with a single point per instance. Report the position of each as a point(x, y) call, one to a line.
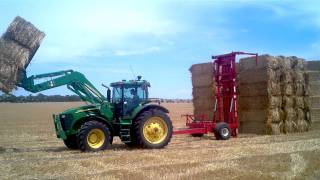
point(29, 149)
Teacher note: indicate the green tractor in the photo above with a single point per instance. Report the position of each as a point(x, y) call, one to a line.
point(128, 114)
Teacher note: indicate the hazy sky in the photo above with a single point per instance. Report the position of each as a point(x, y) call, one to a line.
point(160, 40)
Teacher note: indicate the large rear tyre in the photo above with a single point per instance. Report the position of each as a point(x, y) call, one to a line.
point(71, 142)
point(222, 131)
point(153, 129)
point(93, 136)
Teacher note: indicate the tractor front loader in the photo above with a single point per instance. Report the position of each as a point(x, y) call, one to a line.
point(128, 114)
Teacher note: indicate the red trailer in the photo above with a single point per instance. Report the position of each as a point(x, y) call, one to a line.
point(225, 122)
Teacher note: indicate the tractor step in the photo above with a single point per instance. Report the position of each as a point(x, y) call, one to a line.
point(124, 133)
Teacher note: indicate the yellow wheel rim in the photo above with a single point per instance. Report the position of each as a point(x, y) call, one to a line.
point(96, 138)
point(155, 130)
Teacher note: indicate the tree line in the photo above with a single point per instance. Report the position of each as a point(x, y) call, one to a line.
point(38, 98)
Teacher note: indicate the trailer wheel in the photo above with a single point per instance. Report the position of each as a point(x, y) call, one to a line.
point(153, 129)
point(197, 135)
point(93, 136)
point(222, 131)
point(71, 142)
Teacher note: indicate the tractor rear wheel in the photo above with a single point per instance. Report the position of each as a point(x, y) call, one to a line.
point(93, 136)
point(71, 142)
point(222, 131)
point(153, 129)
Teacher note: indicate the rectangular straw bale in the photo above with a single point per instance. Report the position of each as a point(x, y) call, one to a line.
point(313, 65)
point(315, 114)
point(259, 75)
point(25, 33)
point(264, 61)
point(315, 101)
point(259, 89)
point(202, 69)
point(259, 115)
point(313, 76)
point(302, 125)
point(13, 54)
point(273, 128)
point(286, 76)
point(260, 102)
point(288, 102)
point(203, 103)
point(314, 88)
point(253, 127)
point(203, 92)
point(207, 113)
point(289, 126)
point(204, 80)
point(287, 89)
point(298, 76)
point(290, 114)
point(297, 63)
point(284, 62)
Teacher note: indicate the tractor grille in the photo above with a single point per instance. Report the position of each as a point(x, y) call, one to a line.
point(66, 120)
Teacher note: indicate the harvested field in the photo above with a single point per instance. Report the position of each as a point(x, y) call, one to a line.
point(30, 150)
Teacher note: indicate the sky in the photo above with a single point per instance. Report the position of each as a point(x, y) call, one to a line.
point(110, 41)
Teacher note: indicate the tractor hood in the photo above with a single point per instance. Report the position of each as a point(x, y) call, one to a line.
point(81, 109)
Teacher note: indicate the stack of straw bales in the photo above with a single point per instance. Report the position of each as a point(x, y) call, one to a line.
point(273, 95)
point(313, 70)
point(17, 47)
point(203, 89)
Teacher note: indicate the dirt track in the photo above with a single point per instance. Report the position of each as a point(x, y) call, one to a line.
point(30, 150)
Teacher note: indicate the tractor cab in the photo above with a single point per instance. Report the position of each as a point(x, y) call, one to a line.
point(127, 95)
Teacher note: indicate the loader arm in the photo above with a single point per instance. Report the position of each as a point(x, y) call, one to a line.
point(74, 80)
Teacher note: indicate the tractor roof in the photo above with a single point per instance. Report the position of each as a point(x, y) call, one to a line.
point(130, 83)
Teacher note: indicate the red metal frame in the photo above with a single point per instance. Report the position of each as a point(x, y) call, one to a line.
point(226, 107)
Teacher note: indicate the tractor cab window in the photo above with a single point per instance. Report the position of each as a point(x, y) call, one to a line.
point(117, 94)
point(134, 94)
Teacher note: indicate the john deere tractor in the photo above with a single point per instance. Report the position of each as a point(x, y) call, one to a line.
point(128, 114)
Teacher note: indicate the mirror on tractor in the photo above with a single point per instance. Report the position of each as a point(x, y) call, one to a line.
point(108, 92)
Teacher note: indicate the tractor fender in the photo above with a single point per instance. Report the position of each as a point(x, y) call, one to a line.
point(95, 117)
point(143, 108)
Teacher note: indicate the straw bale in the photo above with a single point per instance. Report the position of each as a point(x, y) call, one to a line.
point(315, 101)
point(259, 89)
point(13, 54)
point(289, 126)
point(288, 101)
point(264, 61)
point(273, 128)
point(284, 62)
point(299, 102)
point(209, 114)
point(253, 115)
point(259, 102)
point(203, 103)
point(204, 80)
point(252, 127)
point(314, 89)
point(287, 89)
point(25, 33)
point(286, 76)
point(297, 63)
point(302, 125)
point(202, 69)
point(298, 76)
point(313, 65)
point(315, 114)
point(313, 76)
point(290, 114)
point(203, 92)
point(259, 75)
point(274, 115)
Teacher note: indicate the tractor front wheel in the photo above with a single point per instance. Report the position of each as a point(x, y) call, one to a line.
point(93, 136)
point(153, 129)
